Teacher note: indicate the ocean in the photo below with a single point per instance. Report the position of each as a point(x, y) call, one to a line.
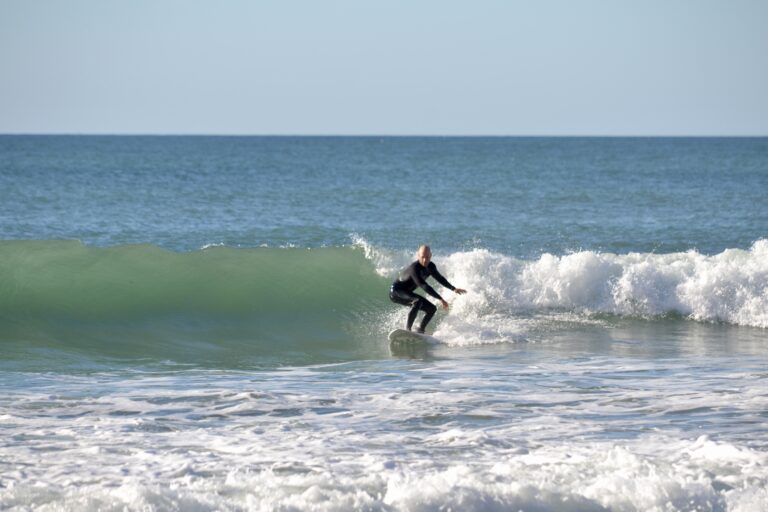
point(200, 323)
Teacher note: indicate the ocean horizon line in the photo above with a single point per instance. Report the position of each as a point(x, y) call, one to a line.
point(387, 136)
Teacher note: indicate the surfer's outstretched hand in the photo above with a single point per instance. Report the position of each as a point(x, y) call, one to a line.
point(460, 291)
point(444, 304)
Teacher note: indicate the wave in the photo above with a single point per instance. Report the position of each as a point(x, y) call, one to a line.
point(506, 292)
point(730, 287)
point(291, 304)
point(86, 282)
point(314, 305)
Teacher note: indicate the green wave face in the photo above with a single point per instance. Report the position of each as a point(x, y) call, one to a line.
point(214, 306)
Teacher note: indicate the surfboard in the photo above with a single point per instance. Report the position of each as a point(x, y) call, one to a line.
point(404, 336)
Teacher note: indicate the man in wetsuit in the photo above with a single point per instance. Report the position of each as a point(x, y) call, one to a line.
point(415, 276)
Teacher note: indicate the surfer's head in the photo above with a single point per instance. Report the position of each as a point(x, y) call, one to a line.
point(425, 255)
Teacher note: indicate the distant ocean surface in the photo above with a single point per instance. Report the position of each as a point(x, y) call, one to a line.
point(200, 323)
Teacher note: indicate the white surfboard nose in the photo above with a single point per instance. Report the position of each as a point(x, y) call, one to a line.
point(405, 336)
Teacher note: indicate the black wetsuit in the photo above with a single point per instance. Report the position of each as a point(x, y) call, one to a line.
point(415, 276)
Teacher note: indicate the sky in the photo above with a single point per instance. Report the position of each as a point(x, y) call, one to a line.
point(394, 67)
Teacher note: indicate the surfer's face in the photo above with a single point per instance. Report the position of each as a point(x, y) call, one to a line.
point(425, 255)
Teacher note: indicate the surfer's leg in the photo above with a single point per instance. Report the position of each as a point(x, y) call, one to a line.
point(408, 299)
point(429, 311)
point(412, 315)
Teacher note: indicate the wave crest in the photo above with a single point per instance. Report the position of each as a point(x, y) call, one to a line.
point(728, 287)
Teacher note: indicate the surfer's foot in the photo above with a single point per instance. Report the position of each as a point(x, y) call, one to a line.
point(420, 331)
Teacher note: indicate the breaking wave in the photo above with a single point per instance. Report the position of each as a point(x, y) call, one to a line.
point(299, 305)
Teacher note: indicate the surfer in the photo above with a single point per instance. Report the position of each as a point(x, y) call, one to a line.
point(415, 276)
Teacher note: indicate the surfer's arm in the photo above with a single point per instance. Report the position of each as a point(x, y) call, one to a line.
point(431, 291)
point(443, 281)
point(439, 277)
point(425, 286)
point(436, 295)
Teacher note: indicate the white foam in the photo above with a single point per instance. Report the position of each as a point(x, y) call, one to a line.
point(728, 287)
point(511, 300)
point(212, 245)
point(306, 442)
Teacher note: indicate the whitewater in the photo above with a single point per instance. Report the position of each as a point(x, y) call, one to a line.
point(200, 323)
point(728, 287)
point(413, 435)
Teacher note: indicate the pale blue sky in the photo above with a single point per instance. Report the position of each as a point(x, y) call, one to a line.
point(543, 67)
